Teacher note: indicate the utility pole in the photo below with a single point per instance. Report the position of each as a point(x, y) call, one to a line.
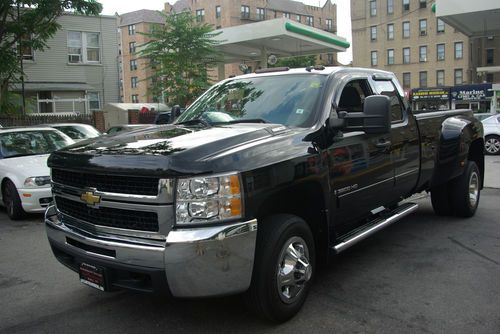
point(20, 50)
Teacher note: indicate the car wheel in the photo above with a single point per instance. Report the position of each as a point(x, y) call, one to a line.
point(441, 201)
point(492, 144)
point(466, 190)
point(12, 201)
point(283, 267)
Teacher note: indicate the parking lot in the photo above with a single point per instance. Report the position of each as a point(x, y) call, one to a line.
point(425, 274)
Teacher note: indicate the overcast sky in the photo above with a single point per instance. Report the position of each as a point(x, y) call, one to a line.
point(343, 15)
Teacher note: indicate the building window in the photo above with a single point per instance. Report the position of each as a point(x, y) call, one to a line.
point(406, 5)
point(406, 55)
point(24, 48)
point(200, 15)
point(440, 26)
point(133, 64)
point(83, 47)
point(374, 58)
point(310, 21)
point(390, 31)
point(245, 12)
point(406, 80)
point(490, 55)
point(94, 101)
point(390, 6)
point(286, 15)
point(133, 82)
point(423, 79)
point(298, 18)
point(373, 8)
point(329, 24)
point(373, 33)
point(406, 29)
point(217, 12)
point(422, 54)
point(423, 27)
point(459, 76)
point(459, 50)
point(423, 3)
point(440, 78)
point(260, 14)
point(489, 78)
point(131, 29)
point(131, 47)
point(440, 51)
point(135, 98)
point(390, 57)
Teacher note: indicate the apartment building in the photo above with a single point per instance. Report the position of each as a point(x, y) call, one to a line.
point(229, 13)
point(78, 71)
point(134, 70)
point(405, 37)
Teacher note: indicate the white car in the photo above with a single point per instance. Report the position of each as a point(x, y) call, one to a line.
point(76, 131)
point(25, 177)
point(491, 127)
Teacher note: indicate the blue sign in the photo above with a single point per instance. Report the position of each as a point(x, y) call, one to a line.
point(471, 92)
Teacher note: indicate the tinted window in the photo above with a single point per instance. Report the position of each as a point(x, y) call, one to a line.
point(78, 132)
point(287, 99)
point(387, 88)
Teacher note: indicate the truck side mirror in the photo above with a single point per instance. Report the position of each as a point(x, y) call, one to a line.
point(377, 113)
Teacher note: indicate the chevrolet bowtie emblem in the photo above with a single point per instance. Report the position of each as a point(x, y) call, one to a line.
point(89, 198)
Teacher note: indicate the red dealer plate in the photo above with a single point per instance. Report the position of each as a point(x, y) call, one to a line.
point(92, 276)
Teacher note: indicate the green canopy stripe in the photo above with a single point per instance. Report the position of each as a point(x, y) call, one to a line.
point(313, 34)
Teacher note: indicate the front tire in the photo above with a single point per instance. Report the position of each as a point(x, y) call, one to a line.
point(283, 267)
point(466, 190)
point(12, 201)
point(492, 145)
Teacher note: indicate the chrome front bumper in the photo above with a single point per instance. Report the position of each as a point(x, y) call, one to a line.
point(196, 262)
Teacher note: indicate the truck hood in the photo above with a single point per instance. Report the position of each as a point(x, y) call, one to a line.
point(176, 150)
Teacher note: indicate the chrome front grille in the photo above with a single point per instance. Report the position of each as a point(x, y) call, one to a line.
point(134, 185)
point(109, 217)
point(112, 212)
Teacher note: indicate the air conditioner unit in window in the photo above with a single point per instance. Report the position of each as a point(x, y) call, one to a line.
point(423, 32)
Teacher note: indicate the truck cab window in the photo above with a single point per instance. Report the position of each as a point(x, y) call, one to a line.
point(387, 88)
point(353, 96)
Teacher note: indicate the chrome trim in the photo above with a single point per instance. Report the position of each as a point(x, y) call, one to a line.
point(211, 261)
point(115, 205)
point(402, 211)
point(390, 179)
point(165, 193)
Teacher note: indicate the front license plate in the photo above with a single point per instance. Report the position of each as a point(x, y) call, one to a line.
point(92, 276)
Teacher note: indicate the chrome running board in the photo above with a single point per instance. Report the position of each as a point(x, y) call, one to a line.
point(375, 226)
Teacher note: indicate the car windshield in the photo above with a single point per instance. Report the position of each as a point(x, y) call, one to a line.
point(289, 100)
point(21, 143)
point(78, 132)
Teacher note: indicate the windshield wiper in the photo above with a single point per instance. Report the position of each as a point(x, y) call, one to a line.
point(247, 120)
point(195, 121)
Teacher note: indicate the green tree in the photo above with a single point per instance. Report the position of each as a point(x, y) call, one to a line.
point(296, 62)
point(29, 24)
point(179, 52)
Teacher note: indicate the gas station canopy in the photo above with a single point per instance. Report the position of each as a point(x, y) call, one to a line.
point(280, 37)
point(478, 18)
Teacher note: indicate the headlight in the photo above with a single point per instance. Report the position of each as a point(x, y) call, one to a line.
point(36, 181)
point(208, 199)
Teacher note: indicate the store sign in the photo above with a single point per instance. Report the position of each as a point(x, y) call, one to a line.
point(430, 94)
point(471, 92)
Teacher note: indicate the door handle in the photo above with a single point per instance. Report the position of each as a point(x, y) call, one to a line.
point(383, 144)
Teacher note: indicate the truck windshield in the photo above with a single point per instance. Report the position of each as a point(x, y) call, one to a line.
point(289, 100)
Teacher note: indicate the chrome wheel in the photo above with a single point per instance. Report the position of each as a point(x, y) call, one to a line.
point(492, 145)
point(473, 189)
point(294, 269)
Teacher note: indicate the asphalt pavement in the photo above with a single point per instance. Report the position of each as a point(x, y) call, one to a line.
point(424, 274)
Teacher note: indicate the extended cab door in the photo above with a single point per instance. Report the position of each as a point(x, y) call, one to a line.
point(360, 168)
point(405, 143)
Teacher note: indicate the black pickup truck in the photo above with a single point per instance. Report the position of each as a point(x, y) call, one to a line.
point(260, 181)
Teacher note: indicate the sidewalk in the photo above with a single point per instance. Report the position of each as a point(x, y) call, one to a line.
point(492, 171)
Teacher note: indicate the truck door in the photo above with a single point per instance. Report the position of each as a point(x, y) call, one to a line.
point(405, 152)
point(360, 168)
